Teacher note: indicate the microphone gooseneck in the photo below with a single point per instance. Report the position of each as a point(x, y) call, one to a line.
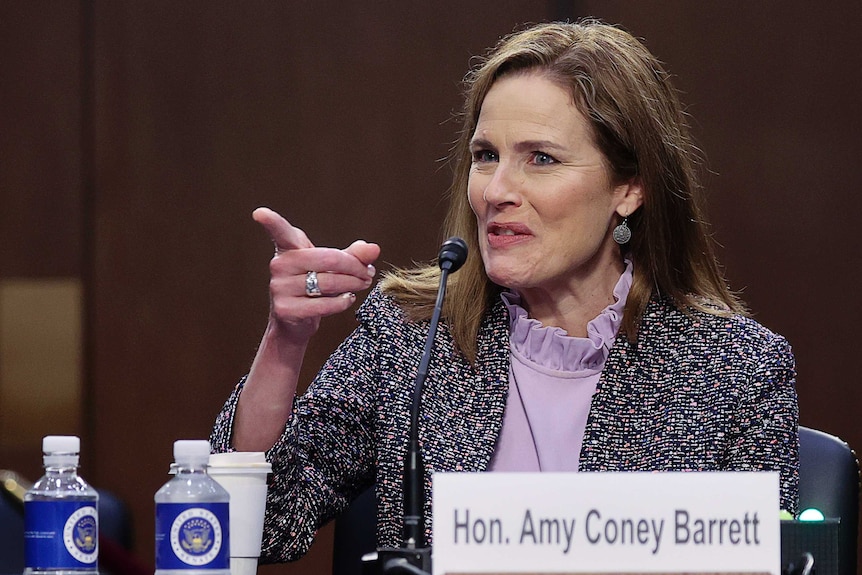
point(413, 557)
point(453, 254)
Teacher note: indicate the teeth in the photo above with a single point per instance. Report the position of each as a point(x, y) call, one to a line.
point(505, 233)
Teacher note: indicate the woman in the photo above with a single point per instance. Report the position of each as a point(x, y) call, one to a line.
point(594, 333)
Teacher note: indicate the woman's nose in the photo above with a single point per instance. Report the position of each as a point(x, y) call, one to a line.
point(504, 187)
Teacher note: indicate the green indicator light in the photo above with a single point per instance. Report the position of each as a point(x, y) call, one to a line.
point(811, 515)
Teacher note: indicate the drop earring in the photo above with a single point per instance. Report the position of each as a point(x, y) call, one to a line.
point(622, 233)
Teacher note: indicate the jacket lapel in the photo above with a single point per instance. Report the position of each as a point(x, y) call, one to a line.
point(463, 404)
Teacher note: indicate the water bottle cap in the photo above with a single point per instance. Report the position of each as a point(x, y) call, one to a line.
point(191, 449)
point(61, 444)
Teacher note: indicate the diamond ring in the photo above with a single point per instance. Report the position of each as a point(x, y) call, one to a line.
point(312, 288)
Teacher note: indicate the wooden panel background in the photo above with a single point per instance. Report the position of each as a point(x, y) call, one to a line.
point(137, 137)
point(41, 213)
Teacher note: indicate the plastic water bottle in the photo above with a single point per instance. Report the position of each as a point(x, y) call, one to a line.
point(61, 517)
point(192, 517)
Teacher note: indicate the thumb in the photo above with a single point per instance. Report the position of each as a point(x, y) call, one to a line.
point(363, 251)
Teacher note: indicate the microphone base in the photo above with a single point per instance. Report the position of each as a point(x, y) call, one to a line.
point(390, 561)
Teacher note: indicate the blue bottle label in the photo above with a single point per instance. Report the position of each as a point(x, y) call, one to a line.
point(192, 536)
point(61, 534)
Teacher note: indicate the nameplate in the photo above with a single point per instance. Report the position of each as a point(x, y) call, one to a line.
point(606, 523)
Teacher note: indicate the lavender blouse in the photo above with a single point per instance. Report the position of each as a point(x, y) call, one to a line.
point(552, 379)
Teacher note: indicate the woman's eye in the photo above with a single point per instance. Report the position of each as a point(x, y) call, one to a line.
point(543, 159)
point(484, 156)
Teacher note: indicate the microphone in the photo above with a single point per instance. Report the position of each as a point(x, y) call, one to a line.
point(413, 557)
point(453, 254)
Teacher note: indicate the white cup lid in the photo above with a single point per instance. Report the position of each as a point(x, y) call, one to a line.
point(253, 461)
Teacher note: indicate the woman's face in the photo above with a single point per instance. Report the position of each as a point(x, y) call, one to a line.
point(542, 194)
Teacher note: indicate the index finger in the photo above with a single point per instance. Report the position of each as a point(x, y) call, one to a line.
point(284, 235)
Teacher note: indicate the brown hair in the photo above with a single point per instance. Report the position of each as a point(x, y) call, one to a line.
point(638, 124)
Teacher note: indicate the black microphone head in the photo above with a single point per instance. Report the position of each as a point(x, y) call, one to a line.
point(453, 254)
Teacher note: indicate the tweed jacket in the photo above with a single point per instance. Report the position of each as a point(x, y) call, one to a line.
point(695, 392)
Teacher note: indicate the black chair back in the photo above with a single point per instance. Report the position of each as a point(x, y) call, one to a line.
point(355, 534)
point(829, 481)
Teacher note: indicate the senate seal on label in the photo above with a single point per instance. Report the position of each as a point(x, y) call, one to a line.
point(81, 535)
point(196, 536)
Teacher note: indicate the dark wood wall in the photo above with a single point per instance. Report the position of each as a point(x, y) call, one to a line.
point(41, 201)
point(136, 139)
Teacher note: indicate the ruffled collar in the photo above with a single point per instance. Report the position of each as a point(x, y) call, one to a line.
point(551, 349)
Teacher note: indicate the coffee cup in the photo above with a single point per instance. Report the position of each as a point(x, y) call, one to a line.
point(243, 475)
